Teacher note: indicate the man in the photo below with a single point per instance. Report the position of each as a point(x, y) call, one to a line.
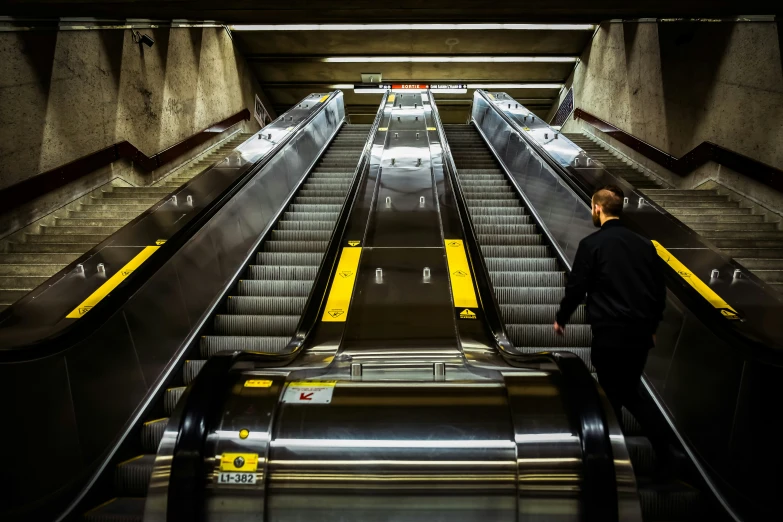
point(622, 275)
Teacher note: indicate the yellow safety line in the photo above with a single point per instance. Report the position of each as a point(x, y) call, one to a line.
point(461, 278)
point(342, 287)
point(112, 283)
point(697, 284)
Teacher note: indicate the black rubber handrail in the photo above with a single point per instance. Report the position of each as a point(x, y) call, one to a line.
point(583, 400)
point(80, 329)
point(748, 345)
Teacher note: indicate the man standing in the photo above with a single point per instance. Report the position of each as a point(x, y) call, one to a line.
point(622, 275)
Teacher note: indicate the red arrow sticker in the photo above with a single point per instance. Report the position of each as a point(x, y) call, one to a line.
point(306, 396)
point(309, 392)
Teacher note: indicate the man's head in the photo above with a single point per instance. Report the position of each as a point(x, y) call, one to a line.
point(607, 204)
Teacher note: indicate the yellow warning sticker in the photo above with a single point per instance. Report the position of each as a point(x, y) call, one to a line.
point(459, 273)
point(706, 292)
point(160, 241)
point(111, 283)
point(467, 314)
point(247, 462)
point(430, 128)
point(354, 243)
point(391, 98)
point(526, 128)
point(258, 383)
point(342, 286)
point(323, 98)
point(382, 129)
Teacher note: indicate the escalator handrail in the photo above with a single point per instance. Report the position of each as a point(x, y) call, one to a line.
point(581, 395)
point(83, 327)
point(203, 399)
point(751, 347)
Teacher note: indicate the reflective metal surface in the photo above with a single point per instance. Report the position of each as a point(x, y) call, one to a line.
point(99, 387)
point(713, 390)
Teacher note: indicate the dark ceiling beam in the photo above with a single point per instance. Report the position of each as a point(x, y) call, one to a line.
point(318, 58)
point(371, 11)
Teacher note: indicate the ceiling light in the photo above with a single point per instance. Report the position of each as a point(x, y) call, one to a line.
point(515, 85)
point(413, 27)
point(341, 86)
point(449, 59)
point(368, 91)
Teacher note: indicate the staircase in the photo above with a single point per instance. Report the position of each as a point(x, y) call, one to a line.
point(727, 223)
point(29, 258)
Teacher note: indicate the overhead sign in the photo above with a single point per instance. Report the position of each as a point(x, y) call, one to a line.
point(435, 87)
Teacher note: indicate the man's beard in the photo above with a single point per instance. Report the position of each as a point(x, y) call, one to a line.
point(596, 220)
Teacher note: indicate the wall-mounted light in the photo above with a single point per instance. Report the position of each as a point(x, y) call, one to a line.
point(143, 39)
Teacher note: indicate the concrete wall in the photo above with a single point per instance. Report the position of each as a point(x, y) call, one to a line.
point(675, 85)
point(69, 93)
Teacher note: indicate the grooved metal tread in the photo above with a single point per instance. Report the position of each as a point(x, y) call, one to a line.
point(529, 285)
point(50, 246)
point(261, 316)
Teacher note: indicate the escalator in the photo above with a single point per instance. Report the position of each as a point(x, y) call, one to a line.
point(529, 284)
point(260, 314)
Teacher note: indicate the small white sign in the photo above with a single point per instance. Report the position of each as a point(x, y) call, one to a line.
point(309, 392)
point(237, 478)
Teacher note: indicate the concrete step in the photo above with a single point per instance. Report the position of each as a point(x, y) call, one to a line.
point(747, 219)
point(71, 238)
point(101, 214)
point(769, 276)
point(706, 211)
point(697, 204)
point(740, 226)
point(132, 192)
point(746, 243)
point(79, 222)
point(30, 270)
point(23, 283)
point(743, 234)
point(753, 252)
point(677, 192)
point(92, 207)
point(125, 201)
point(760, 263)
point(48, 259)
point(9, 297)
point(68, 230)
point(688, 198)
point(55, 248)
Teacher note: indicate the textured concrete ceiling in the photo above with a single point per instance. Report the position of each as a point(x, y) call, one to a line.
point(292, 64)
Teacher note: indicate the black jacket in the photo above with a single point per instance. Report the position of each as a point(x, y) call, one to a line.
point(622, 275)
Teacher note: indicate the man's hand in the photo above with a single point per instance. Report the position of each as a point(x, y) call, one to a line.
point(559, 330)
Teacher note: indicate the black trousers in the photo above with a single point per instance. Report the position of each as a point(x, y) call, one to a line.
point(619, 362)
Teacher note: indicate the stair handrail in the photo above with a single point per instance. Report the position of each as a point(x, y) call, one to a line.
point(27, 190)
point(702, 153)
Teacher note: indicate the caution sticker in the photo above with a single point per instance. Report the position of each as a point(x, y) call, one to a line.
point(246, 462)
point(342, 286)
point(706, 292)
point(391, 98)
point(309, 392)
point(467, 313)
point(112, 283)
point(459, 272)
point(258, 383)
point(323, 98)
point(431, 128)
point(382, 129)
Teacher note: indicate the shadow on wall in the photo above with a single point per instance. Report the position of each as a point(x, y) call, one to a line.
point(75, 92)
point(691, 56)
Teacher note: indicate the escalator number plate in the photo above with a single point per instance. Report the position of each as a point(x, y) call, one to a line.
point(237, 478)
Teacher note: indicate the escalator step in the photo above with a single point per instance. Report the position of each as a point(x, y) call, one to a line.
point(515, 251)
point(576, 335)
point(261, 325)
point(481, 220)
point(191, 368)
point(582, 353)
point(289, 259)
point(496, 211)
point(529, 296)
point(293, 246)
point(132, 477)
point(172, 397)
point(152, 433)
point(266, 305)
point(671, 503)
point(301, 235)
point(212, 344)
point(513, 264)
point(500, 229)
point(305, 225)
point(510, 240)
point(126, 509)
point(257, 288)
point(310, 216)
point(538, 314)
point(528, 278)
point(282, 273)
point(642, 455)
